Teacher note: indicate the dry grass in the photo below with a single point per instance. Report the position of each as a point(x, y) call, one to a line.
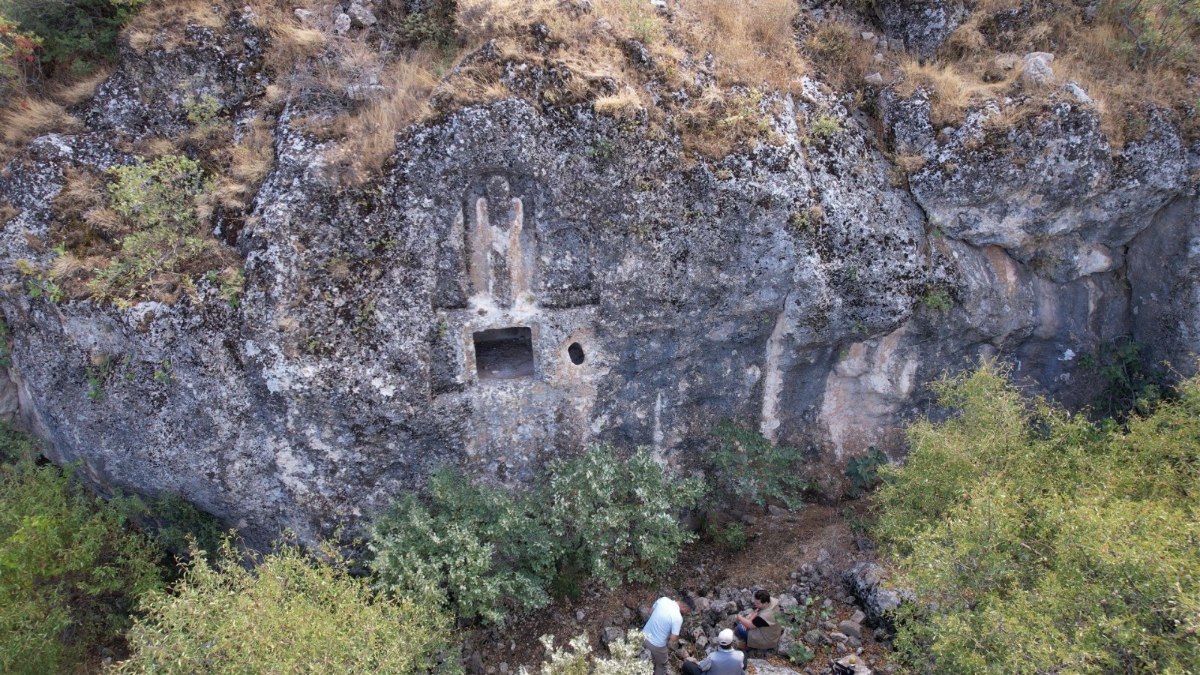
point(752, 41)
point(624, 105)
point(7, 212)
point(74, 93)
point(1086, 52)
point(838, 55)
point(951, 90)
point(32, 116)
point(82, 223)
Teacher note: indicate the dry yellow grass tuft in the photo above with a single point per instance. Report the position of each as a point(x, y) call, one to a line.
point(30, 117)
point(7, 212)
point(1094, 51)
point(838, 56)
point(752, 41)
point(624, 105)
point(951, 90)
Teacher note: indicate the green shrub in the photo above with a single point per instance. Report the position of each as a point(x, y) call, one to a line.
point(76, 35)
point(292, 613)
point(1154, 31)
point(158, 199)
point(488, 551)
point(745, 467)
point(1036, 541)
point(729, 536)
point(5, 345)
point(178, 526)
point(478, 546)
point(625, 657)
point(863, 472)
point(1129, 386)
point(617, 519)
point(70, 571)
point(16, 446)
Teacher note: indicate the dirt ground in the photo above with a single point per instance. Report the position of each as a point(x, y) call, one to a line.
point(777, 545)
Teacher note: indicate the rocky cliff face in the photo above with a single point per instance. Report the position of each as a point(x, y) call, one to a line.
point(523, 282)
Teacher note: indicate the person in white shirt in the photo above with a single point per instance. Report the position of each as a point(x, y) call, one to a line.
point(662, 629)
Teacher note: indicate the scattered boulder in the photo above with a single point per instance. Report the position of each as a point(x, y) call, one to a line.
point(865, 581)
point(361, 16)
point(1036, 70)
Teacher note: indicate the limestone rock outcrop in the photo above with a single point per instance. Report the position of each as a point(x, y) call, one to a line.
point(525, 281)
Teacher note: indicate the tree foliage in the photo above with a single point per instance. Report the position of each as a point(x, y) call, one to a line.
point(70, 570)
point(75, 35)
point(1036, 541)
point(291, 613)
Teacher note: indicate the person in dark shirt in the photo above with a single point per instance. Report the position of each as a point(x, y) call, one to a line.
point(760, 629)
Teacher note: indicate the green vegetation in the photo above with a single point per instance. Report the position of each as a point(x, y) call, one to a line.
point(292, 613)
point(802, 620)
point(594, 517)
point(729, 536)
point(5, 345)
point(1129, 386)
point(70, 569)
point(18, 50)
point(625, 657)
point(826, 126)
point(177, 526)
point(1036, 541)
point(863, 472)
point(1155, 31)
point(938, 299)
point(75, 36)
point(747, 468)
point(158, 200)
point(479, 545)
point(618, 519)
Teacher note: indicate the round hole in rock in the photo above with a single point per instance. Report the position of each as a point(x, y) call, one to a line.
point(575, 351)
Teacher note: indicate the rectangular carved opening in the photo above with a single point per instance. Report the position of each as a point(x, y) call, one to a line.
point(504, 353)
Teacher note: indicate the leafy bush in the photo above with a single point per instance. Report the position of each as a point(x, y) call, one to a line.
point(625, 657)
point(1036, 541)
point(70, 571)
point(746, 467)
point(863, 472)
point(1129, 386)
point(479, 546)
point(1154, 31)
point(5, 345)
point(729, 536)
point(178, 526)
point(76, 35)
point(292, 613)
point(618, 520)
point(486, 550)
point(16, 446)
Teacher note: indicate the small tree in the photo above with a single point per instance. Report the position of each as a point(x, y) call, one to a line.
point(1035, 541)
point(70, 570)
point(292, 613)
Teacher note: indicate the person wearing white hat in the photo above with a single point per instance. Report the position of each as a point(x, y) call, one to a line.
point(724, 661)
